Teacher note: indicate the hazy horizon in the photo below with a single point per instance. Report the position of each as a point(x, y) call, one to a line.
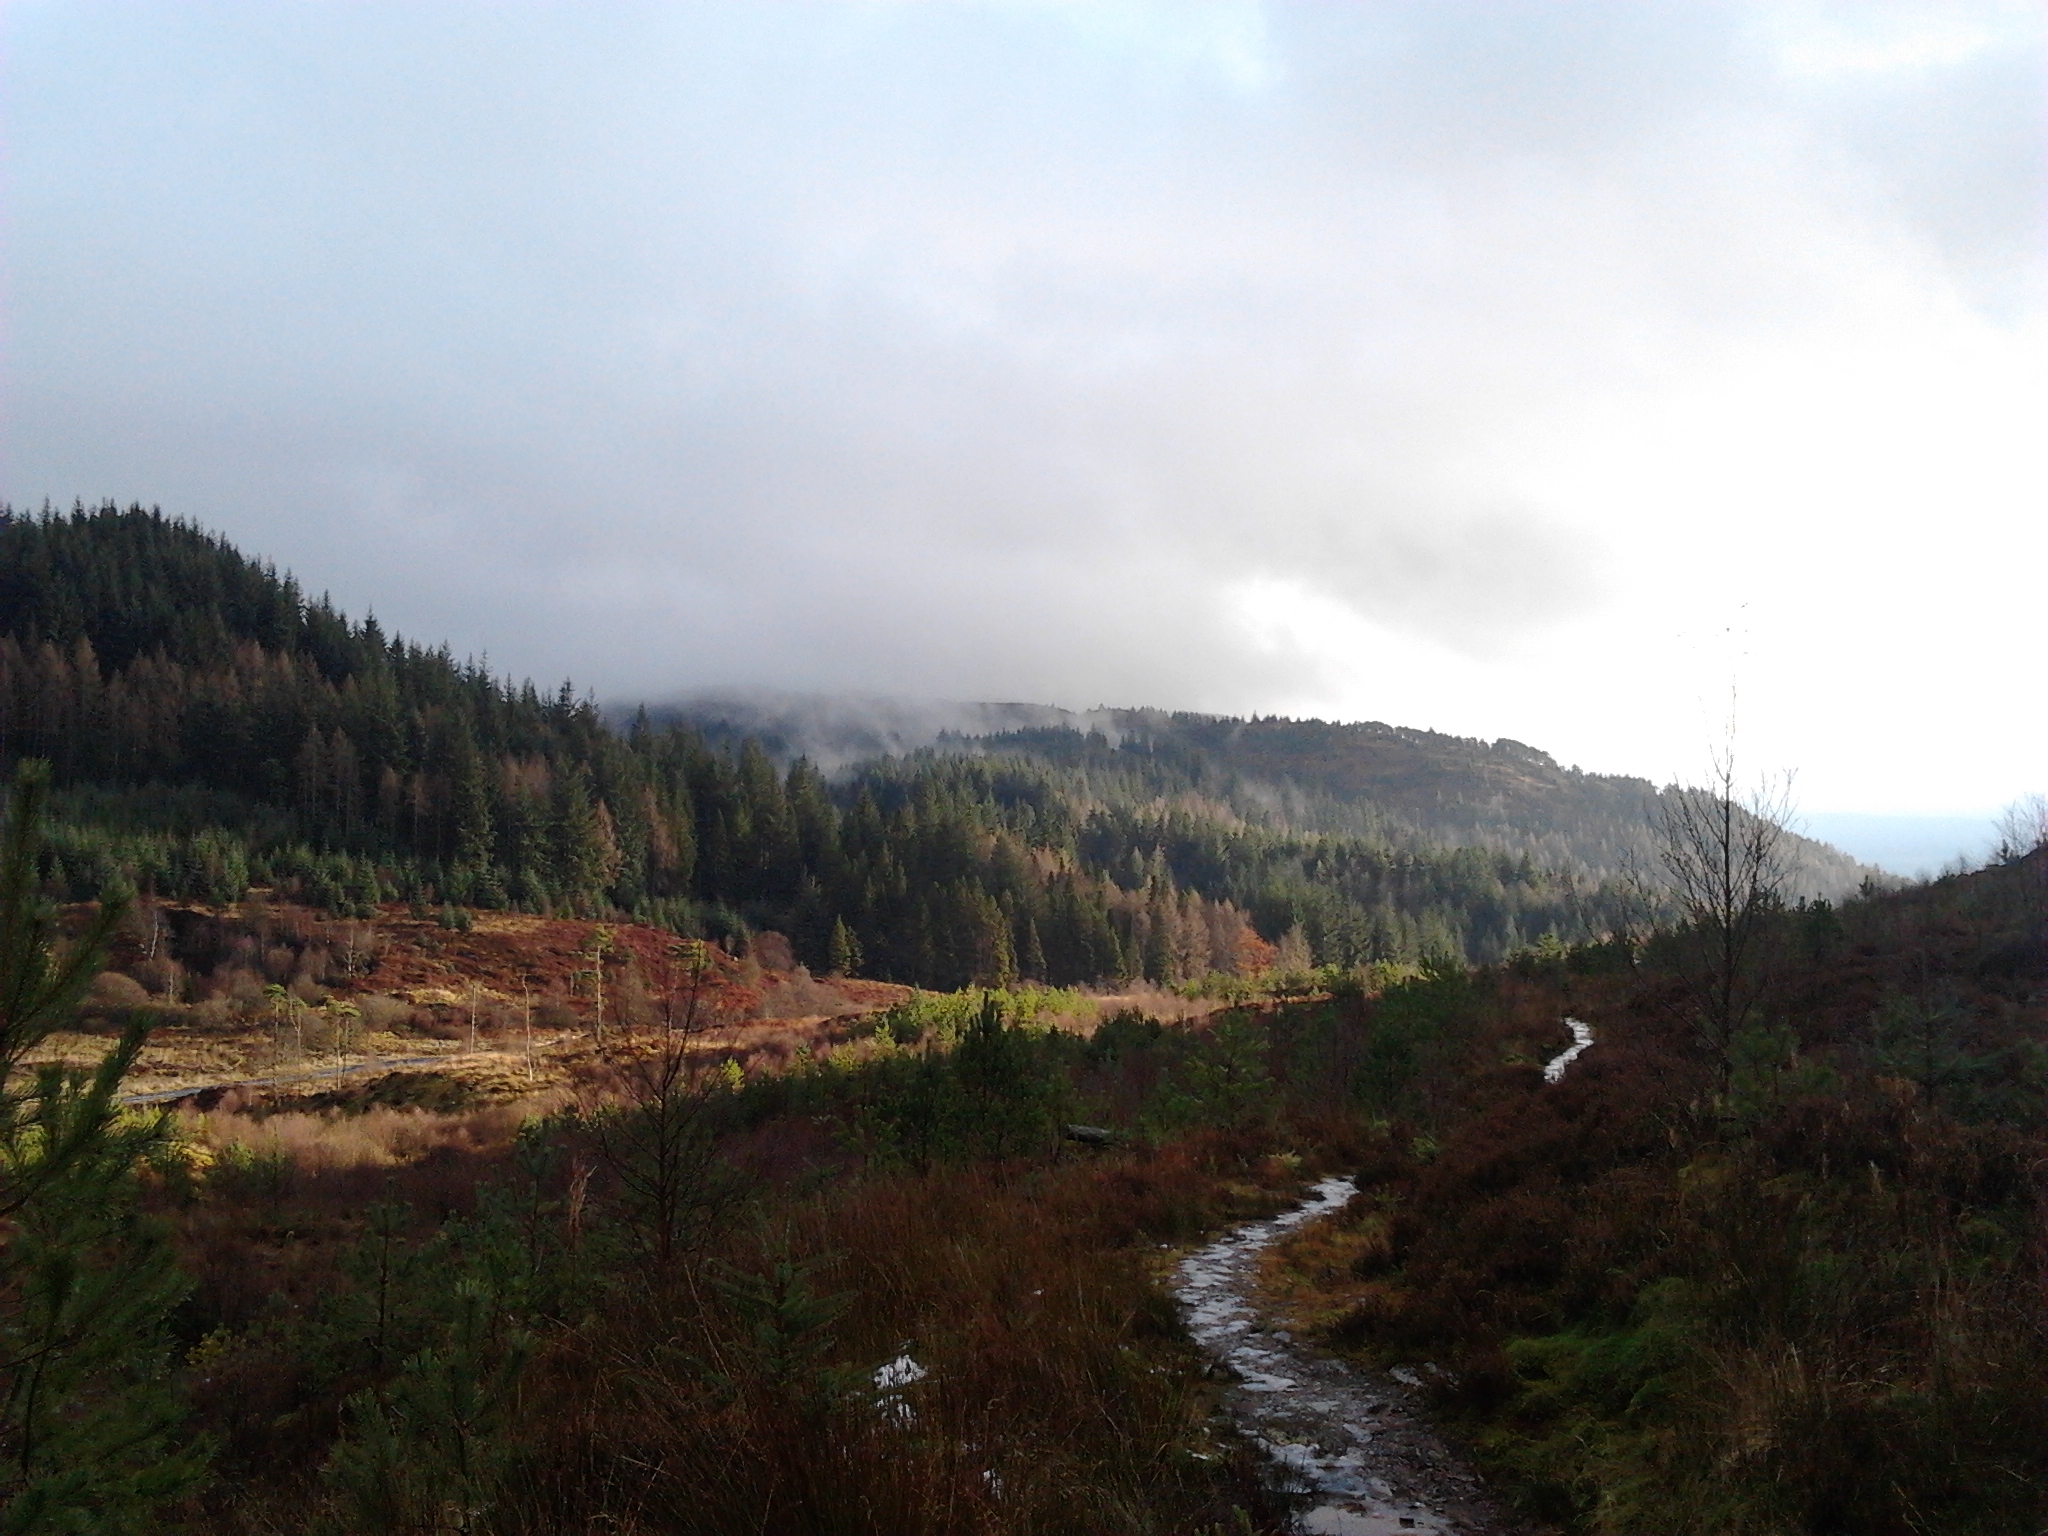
point(1539, 371)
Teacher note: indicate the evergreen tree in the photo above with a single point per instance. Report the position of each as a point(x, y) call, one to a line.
point(475, 832)
point(845, 952)
point(1011, 1101)
point(1159, 918)
point(429, 1451)
point(994, 958)
point(578, 838)
point(87, 1418)
point(1032, 961)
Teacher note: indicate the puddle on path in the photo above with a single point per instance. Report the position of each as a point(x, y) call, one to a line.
point(1582, 1038)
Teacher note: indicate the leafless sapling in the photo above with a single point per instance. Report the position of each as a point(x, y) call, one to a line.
point(1726, 864)
point(2023, 850)
point(659, 1145)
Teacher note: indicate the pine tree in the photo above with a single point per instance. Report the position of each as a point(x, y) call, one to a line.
point(579, 841)
point(1032, 964)
point(87, 1417)
point(845, 951)
point(475, 833)
point(1158, 942)
point(429, 1451)
point(995, 958)
point(1009, 1096)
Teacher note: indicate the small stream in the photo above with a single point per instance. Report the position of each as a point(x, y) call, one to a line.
point(1354, 1441)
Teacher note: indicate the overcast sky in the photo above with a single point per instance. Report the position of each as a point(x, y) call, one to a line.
point(1529, 369)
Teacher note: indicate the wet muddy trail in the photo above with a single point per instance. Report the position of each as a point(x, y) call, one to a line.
point(1355, 1441)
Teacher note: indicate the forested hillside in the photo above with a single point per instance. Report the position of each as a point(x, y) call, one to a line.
point(1390, 785)
point(210, 728)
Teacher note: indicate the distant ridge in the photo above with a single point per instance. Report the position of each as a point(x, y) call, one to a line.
point(1406, 785)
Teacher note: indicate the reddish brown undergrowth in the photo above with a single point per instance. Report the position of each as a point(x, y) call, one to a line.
point(1795, 1289)
point(738, 1392)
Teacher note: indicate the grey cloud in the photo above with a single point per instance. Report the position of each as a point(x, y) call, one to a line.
point(906, 349)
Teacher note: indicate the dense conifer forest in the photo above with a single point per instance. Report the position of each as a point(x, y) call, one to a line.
point(1392, 786)
point(211, 727)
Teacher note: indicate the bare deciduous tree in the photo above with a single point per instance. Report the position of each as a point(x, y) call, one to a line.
point(2023, 849)
point(1725, 860)
point(2022, 829)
